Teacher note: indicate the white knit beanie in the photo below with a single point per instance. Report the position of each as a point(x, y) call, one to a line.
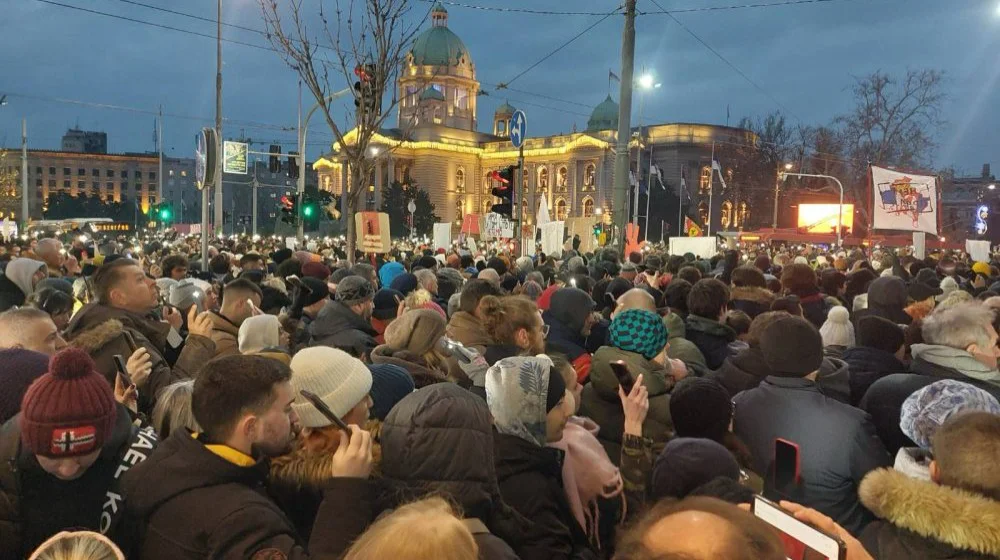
point(259, 332)
point(837, 330)
point(340, 379)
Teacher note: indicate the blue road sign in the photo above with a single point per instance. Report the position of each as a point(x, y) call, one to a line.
point(518, 128)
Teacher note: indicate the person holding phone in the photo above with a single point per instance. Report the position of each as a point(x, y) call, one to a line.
point(240, 300)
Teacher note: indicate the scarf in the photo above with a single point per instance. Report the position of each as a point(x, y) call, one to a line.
point(516, 391)
point(960, 360)
point(588, 474)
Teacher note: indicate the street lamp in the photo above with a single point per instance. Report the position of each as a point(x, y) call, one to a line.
point(991, 186)
point(788, 167)
point(840, 208)
point(645, 82)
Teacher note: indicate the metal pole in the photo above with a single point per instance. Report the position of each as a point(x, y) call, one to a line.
point(711, 191)
point(218, 121)
point(301, 189)
point(681, 191)
point(840, 207)
point(638, 163)
point(518, 193)
point(159, 150)
point(624, 122)
point(649, 194)
point(777, 183)
point(253, 217)
point(24, 175)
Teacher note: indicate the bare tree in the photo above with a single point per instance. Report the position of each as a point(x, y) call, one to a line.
point(10, 186)
point(362, 40)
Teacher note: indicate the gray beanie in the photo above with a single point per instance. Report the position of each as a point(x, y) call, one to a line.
point(184, 294)
point(335, 376)
point(354, 290)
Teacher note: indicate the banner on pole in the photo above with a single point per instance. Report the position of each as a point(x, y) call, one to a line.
point(978, 249)
point(904, 201)
point(919, 244)
point(552, 237)
point(497, 226)
point(691, 228)
point(373, 232)
point(442, 235)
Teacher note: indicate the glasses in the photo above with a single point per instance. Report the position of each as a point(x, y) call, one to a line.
point(545, 331)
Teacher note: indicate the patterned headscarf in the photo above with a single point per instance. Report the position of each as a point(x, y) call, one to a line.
point(926, 410)
point(517, 392)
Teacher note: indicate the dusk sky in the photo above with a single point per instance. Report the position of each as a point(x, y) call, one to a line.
point(803, 56)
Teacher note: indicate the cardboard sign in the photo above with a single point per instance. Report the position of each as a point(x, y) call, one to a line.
point(373, 232)
point(442, 235)
point(498, 226)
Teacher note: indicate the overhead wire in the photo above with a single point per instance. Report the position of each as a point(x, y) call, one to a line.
point(738, 6)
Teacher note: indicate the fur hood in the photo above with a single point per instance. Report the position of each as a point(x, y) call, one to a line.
point(752, 293)
point(95, 338)
point(951, 516)
point(301, 469)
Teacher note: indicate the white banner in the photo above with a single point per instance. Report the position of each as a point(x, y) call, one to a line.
point(442, 235)
point(919, 244)
point(552, 237)
point(497, 226)
point(978, 250)
point(904, 201)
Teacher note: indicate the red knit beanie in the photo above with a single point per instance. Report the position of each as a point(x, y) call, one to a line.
point(70, 410)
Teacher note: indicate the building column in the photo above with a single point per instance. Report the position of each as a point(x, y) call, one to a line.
point(599, 184)
point(390, 170)
point(379, 177)
point(344, 178)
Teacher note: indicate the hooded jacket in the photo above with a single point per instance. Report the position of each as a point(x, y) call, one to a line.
point(837, 444)
point(920, 519)
point(414, 364)
point(867, 366)
point(931, 362)
point(748, 369)
point(16, 282)
point(389, 272)
point(600, 401)
point(196, 504)
point(35, 505)
point(680, 347)
point(565, 318)
point(887, 298)
point(751, 300)
point(468, 329)
point(711, 337)
point(338, 327)
point(225, 335)
point(97, 328)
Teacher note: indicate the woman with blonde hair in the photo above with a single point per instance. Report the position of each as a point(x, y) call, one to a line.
point(77, 545)
point(429, 529)
point(173, 409)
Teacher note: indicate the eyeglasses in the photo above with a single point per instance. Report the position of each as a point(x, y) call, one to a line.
point(545, 331)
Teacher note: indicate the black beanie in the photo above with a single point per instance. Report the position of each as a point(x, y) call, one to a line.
point(556, 390)
point(701, 408)
point(792, 347)
point(878, 332)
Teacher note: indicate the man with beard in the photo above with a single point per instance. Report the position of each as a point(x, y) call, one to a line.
point(346, 323)
point(203, 495)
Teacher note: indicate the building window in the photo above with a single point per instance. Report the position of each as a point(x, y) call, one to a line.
point(543, 178)
point(561, 208)
point(589, 174)
point(109, 186)
point(703, 212)
point(152, 175)
point(170, 172)
point(95, 172)
point(743, 215)
point(461, 98)
point(588, 207)
point(124, 174)
point(96, 184)
point(562, 178)
point(52, 171)
point(525, 219)
point(109, 172)
point(501, 128)
point(38, 182)
point(459, 208)
point(184, 173)
point(487, 206)
point(66, 184)
point(705, 181)
point(460, 180)
point(66, 171)
point(488, 183)
point(81, 185)
point(52, 183)
point(38, 171)
point(725, 214)
point(81, 171)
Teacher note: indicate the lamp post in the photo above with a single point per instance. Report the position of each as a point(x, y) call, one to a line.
point(840, 207)
point(303, 130)
point(645, 82)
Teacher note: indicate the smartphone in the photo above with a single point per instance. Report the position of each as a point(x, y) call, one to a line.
point(802, 541)
point(786, 467)
point(130, 341)
point(122, 371)
point(623, 375)
point(324, 410)
point(457, 349)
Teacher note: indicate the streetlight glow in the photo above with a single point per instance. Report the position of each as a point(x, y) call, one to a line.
point(788, 167)
point(646, 81)
point(991, 186)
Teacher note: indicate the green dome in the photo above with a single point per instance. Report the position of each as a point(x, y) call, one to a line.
point(438, 46)
point(431, 93)
point(505, 109)
point(604, 117)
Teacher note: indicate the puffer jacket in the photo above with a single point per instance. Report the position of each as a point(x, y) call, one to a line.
point(338, 327)
point(601, 403)
point(867, 366)
point(920, 519)
point(712, 338)
point(751, 300)
point(681, 348)
point(98, 328)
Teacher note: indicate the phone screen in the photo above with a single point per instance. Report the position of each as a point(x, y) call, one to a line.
point(786, 466)
point(801, 540)
point(623, 375)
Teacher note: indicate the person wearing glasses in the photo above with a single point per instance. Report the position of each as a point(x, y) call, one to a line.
point(56, 303)
point(515, 325)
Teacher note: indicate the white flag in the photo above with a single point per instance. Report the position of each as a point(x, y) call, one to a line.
point(904, 201)
point(716, 166)
point(542, 217)
point(655, 171)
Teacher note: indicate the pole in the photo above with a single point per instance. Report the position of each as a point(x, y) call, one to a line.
point(681, 191)
point(624, 123)
point(159, 151)
point(777, 183)
point(711, 191)
point(649, 194)
point(253, 217)
point(24, 175)
point(301, 189)
point(638, 161)
point(518, 193)
point(840, 207)
point(218, 121)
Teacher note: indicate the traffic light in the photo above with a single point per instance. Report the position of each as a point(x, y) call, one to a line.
point(309, 209)
point(293, 165)
point(274, 159)
point(366, 100)
point(505, 191)
point(165, 212)
point(288, 214)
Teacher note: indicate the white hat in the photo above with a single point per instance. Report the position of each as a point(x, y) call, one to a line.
point(259, 332)
point(338, 378)
point(801, 260)
point(948, 285)
point(837, 330)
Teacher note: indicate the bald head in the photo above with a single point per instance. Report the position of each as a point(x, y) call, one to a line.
point(636, 298)
point(48, 250)
point(31, 329)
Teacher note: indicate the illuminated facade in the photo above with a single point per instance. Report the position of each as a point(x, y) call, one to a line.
point(436, 145)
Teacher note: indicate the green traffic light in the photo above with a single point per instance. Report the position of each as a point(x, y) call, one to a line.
point(308, 211)
point(165, 214)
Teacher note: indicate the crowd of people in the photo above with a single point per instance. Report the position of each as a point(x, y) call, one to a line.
point(264, 403)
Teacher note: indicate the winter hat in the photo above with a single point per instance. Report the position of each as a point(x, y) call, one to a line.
point(451, 275)
point(386, 304)
point(164, 285)
point(354, 290)
point(70, 410)
point(879, 332)
point(639, 331)
point(281, 255)
point(184, 294)
point(687, 463)
point(316, 270)
point(259, 332)
point(948, 285)
point(404, 283)
point(389, 272)
point(571, 306)
point(317, 291)
point(701, 408)
point(792, 347)
point(979, 267)
point(837, 330)
point(929, 277)
point(390, 383)
point(427, 262)
point(520, 391)
point(888, 291)
point(21, 271)
point(338, 378)
point(524, 264)
point(918, 291)
point(59, 284)
point(20, 368)
point(417, 330)
point(929, 408)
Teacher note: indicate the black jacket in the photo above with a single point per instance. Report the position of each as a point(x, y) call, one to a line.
point(751, 300)
point(337, 326)
point(531, 482)
point(10, 294)
point(711, 337)
point(195, 504)
point(868, 365)
point(837, 445)
point(747, 369)
point(814, 307)
point(35, 505)
point(884, 399)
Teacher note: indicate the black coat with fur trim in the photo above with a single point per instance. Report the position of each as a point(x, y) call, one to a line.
point(922, 520)
point(751, 300)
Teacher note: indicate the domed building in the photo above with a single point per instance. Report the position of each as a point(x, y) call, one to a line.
point(437, 146)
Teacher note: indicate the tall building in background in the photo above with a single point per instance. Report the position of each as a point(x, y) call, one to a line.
point(85, 141)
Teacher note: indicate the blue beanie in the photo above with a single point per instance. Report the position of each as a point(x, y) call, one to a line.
point(404, 283)
point(390, 383)
point(639, 331)
point(389, 272)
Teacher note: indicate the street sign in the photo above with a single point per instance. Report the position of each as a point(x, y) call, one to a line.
point(235, 157)
point(205, 157)
point(518, 128)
